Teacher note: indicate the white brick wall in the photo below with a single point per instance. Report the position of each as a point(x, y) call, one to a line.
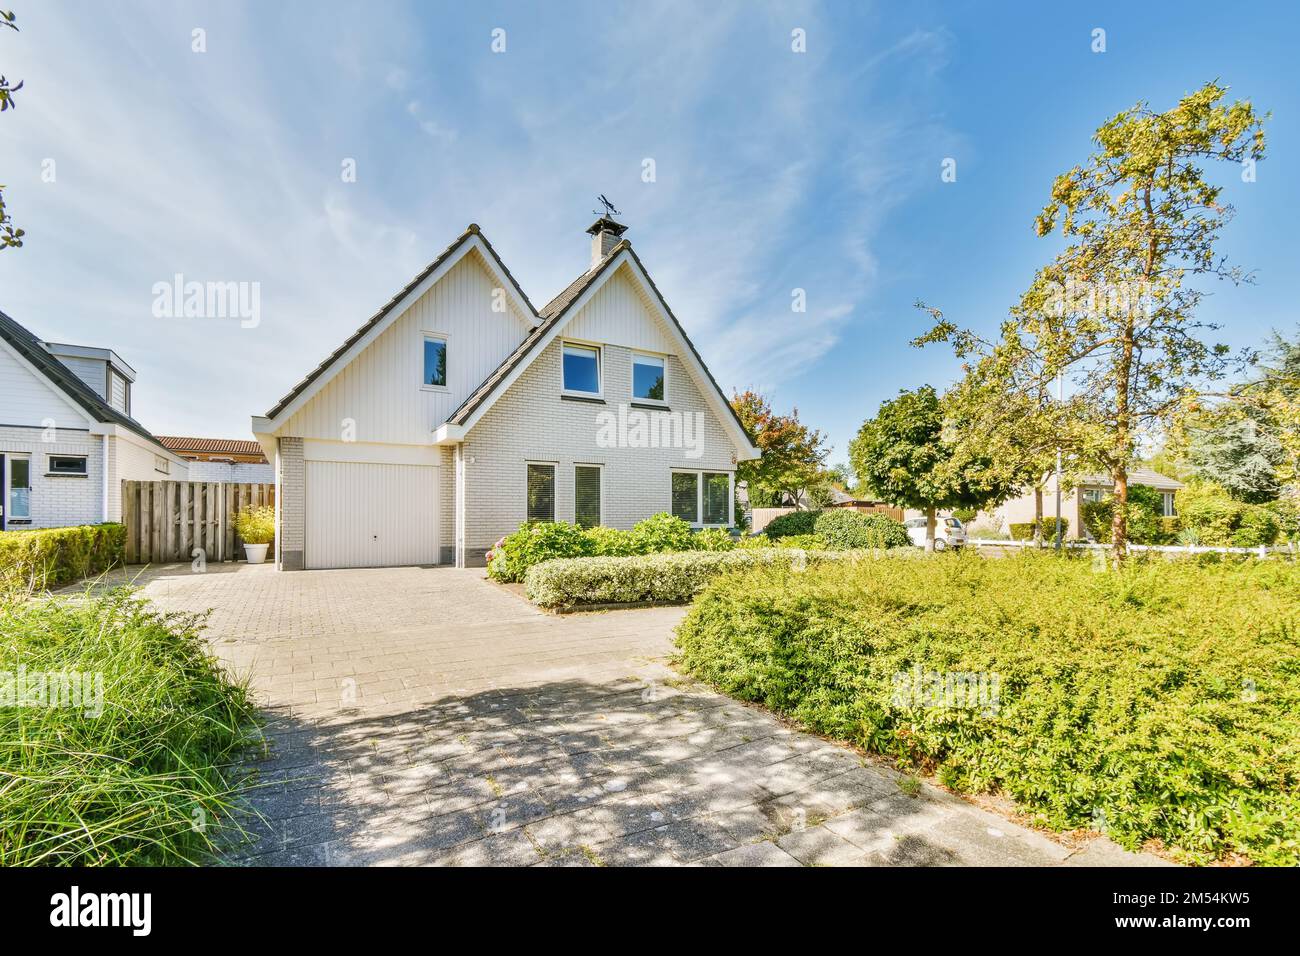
point(231, 471)
point(290, 504)
point(61, 500)
point(530, 422)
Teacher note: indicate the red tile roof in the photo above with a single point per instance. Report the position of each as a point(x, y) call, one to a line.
point(207, 446)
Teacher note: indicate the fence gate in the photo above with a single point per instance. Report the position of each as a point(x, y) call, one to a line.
point(166, 520)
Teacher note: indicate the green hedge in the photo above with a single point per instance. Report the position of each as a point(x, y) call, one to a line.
point(791, 523)
point(841, 528)
point(659, 578)
point(49, 558)
point(1161, 701)
point(1024, 530)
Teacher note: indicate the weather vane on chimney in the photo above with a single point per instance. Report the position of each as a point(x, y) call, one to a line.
point(609, 207)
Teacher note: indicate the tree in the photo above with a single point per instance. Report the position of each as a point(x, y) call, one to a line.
point(10, 235)
point(908, 456)
point(1238, 451)
point(793, 454)
point(1115, 311)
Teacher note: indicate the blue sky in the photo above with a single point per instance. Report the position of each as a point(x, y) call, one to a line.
point(774, 170)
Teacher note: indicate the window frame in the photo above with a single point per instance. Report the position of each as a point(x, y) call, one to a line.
point(1169, 504)
point(600, 491)
point(442, 337)
point(600, 368)
point(50, 471)
point(699, 474)
point(554, 466)
point(6, 479)
point(641, 353)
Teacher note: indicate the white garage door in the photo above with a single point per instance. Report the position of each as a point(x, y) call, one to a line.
point(362, 515)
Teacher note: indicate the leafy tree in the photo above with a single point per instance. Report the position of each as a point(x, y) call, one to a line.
point(908, 456)
point(10, 235)
point(793, 454)
point(1115, 311)
point(1239, 452)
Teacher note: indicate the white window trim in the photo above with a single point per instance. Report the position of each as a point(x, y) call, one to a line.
point(631, 385)
point(1170, 507)
point(699, 474)
point(555, 486)
point(600, 368)
point(6, 486)
point(445, 339)
point(601, 468)
point(51, 473)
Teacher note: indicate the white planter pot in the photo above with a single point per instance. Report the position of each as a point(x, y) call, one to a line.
point(255, 553)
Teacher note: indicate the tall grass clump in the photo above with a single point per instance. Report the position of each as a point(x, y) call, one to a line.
point(145, 772)
point(1159, 702)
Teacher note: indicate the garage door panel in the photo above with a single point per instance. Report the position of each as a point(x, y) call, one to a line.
point(366, 515)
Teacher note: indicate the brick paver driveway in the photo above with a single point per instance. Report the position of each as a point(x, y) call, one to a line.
point(424, 715)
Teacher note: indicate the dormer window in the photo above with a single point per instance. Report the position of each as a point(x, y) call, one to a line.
point(581, 369)
point(435, 362)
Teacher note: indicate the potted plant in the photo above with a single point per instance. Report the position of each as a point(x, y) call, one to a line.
point(256, 526)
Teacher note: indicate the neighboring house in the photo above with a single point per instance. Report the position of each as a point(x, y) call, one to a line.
point(459, 411)
point(67, 438)
point(229, 460)
point(1020, 510)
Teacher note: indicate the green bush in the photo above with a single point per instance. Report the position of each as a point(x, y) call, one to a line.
point(49, 558)
point(807, 542)
point(1257, 526)
point(256, 525)
point(844, 529)
point(610, 542)
point(534, 543)
point(673, 577)
point(1219, 521)
point(151, 749)
point(712, 539)
point(661, 532)
point(793, 522)
point(1146, 521)
point(1163, 699)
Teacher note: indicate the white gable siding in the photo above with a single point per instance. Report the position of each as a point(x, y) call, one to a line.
point(91, 371)
point(618, 315)
point(30, 398)
point(118, 398)
point(380, 389)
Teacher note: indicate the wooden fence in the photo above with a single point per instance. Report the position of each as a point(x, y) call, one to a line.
point(167, 520)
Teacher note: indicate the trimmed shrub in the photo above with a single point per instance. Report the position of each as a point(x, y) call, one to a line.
point(794, 522)
point(151, 745)
point(712, 539)
point(1257, 526)
point(611, 542)
point(844, 529)
point(808, 542)
point(1118, 693)
point(1024, 530)
point(672, 578)
point(52, 557)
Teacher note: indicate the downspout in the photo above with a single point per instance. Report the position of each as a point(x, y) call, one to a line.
point(104, 476)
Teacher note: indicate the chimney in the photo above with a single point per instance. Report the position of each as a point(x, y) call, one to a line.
point(604, 237)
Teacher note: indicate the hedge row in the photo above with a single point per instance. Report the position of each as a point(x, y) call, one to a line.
point(841, 528)
point(1161, 701)
point(49, 558)
point(673, 578)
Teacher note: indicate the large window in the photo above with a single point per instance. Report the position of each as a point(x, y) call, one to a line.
point(686, 496)
point(1094, 495)
point(582, 369)
point(541, 492)
point(648, 377)
point(702, 497)
point(20, 488)
point(586, 495)
point(435, 362)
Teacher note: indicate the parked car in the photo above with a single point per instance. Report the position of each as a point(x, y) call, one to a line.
point(948, 532)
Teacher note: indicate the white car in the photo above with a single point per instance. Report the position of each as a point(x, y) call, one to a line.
point(948, 532)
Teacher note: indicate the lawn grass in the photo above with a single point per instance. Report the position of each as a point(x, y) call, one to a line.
point(145, 774)
point(1161, 702)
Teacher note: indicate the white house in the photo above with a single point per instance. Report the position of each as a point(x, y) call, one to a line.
point(67, 438)
point(1084, 488)
point(459, 411)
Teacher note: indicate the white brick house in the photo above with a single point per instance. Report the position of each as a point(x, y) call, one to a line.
point(459, 411)
point(67, 438)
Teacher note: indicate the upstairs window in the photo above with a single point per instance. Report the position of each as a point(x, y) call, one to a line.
point(435, 362)
point(582, 369)
point(648, 377)
point(67, 465)
point(541, 492)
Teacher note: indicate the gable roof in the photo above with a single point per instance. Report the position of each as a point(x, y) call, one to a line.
point(554, 315)
point(64, 379)
point(389, 309)
point(1136, 476)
